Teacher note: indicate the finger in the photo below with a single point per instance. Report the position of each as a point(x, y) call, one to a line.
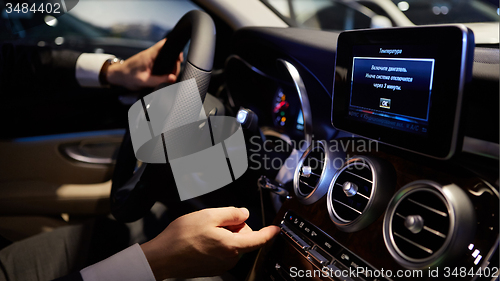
point(177, 68)
point(235, 228)
point(155, 80)
point(250, 241)
point(228, 216)
point(159, 44)
point(172, 78)
point(245, 229)
point(241, 228)
point(157, 47)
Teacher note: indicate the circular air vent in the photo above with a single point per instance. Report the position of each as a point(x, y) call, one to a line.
point(422, 222)
point(314, 172)
point(359, 192)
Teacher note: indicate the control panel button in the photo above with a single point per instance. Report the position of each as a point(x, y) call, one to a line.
point(303, 244)
point(285, 229)
point(322, 250)
point(295, 238)
point(318, 257)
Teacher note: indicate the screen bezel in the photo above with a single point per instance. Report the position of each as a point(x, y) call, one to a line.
point(452, 48)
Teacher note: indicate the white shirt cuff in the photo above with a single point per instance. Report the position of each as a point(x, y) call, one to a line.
point(88, 67)
point(128, 265)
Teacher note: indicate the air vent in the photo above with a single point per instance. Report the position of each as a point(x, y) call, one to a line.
point(314, 172)
point(359, 192)
point(421, 224)
point(352, 191)
point(311, 171)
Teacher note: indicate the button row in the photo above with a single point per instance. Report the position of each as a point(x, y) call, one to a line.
point(313, 253)
point(319, 257)
point(299, 241)
point(321, 248)
point(310, 231)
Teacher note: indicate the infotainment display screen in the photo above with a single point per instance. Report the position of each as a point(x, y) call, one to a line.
point(403, 86)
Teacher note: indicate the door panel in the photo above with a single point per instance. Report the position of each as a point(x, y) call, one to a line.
point(43, 198)
point(42, 159)
point(56, 174)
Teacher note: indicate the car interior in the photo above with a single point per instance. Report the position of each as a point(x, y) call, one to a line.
point(375, 150)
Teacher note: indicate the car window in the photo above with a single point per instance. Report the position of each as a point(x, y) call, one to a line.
point(136, 19)
point(323, 14)
point(143, 20)
point(354, 14)
point(436, 12)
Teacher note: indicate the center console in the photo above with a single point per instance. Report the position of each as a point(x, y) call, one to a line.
point(436, 224)
point(386, 203)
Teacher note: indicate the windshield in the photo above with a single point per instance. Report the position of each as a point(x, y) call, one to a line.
point(436, 12)
point(138, 20)
point(354, 14)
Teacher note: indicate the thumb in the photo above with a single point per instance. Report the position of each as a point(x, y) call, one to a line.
point(155, 80)
point(157, 47)
point(228, 216)
point(250, 241)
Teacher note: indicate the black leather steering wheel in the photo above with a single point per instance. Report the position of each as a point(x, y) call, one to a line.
point(136, 189)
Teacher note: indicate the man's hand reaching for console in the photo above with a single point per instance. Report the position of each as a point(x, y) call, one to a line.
point(204, 243)
point(135, 72)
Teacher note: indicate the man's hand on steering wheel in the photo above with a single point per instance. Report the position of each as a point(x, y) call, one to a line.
point(133, 194)
point(136, 72)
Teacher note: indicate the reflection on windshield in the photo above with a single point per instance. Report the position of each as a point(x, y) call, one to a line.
point(436, 12)
point(138, 20)
point(355, 14)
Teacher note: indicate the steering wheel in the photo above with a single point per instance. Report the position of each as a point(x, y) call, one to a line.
point(136, 189)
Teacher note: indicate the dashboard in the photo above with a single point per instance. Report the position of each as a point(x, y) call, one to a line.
point(370, 199)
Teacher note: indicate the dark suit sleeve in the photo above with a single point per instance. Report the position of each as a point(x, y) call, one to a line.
point(30, 67)
point(76, 276)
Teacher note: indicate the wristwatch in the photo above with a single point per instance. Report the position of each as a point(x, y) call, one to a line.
point(104, 71)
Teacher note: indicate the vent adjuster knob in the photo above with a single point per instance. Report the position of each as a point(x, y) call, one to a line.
point(350, 189)
point(414, 223)
point(306, 171)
